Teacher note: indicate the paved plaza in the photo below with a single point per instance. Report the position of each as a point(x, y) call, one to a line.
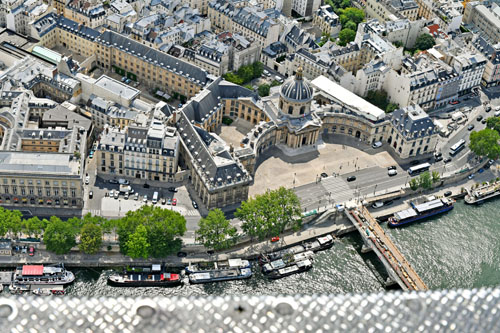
point(278, 169)
point(234, 133)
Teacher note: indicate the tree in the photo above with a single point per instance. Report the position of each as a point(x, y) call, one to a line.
point(10, 220)
point(275, 83)
point(33, 226)
point(269, 214)
point(351, 25)
point(425, 181)
point(391, 107)
point(258, 69)
point(414, 184)
point(346, 36)
point(215, 232)
point(59, 236)
point(163, 227)
point(245, 73)
point(485, 143)
point(435, 177)
point(424, 42)
point(264, 90)
point(353, 14)
point(494, 123)
point(90, 238)
point(137, 244)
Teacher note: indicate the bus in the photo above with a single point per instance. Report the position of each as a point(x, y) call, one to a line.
point(419, 168)
point(457, 147)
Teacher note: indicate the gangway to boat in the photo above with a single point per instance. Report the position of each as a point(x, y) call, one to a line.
point(374, 237)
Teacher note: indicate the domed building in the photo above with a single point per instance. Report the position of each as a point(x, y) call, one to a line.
point(299, 126)
point(295, 96)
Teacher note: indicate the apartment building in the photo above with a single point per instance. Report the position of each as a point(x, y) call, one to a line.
point(87, 12)
point(327, 21)
point(470, 68)
point(412, 132)
point(491, 74)
point(485, 20)
point(390, 10)
point(305, 8)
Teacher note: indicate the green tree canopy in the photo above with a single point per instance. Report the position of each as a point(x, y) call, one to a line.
point(33, 226)
point(424, 42)
point(269, 214)
point(10, 220)
point(163, 227)
point(264, 90)
point(414, 184)
point(425, 180)
point(257, 69)
point(435, 177)
point(485, 143)
point(215, 232)
point(59, 236)
point(90, 238)
point(137, 244)
point(346, 36)
point(351, 25)
point(352, 14)
point(494, 123)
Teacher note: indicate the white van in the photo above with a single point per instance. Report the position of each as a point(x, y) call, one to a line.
point(155, 198)
point(377, 144)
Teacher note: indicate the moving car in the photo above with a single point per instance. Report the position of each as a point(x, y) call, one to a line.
point(471, 176)
point(392, 172)
point(351, 178)
point(111, 193)
point(122, 181)
point(174, 202)
point(447, 160)
point(377, 204)
point(117, 194)
point(377, 144)
point(163, 201)
point(392, 167)
point(438, 158)
point(470, 127)
point(324, 174)
point(479, 118)
point(172, 189)
point(126, 196)
point(136, 196)
point(275, 239)
point(195, 205)
point(454, 102)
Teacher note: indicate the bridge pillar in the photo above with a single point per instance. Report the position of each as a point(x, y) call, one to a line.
point(365, 248)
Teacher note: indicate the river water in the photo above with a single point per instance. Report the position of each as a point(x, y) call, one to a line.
point(458, 250)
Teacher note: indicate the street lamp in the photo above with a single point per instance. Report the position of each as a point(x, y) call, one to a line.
point(375, 189)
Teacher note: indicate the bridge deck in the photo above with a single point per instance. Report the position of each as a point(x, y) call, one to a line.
point(386, 247)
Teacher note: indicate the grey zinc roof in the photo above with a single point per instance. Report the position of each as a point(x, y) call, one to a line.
point(296, 90)
point(412, 122)
point(157, 57)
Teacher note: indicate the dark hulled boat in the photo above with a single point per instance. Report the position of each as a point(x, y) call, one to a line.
point(420, 212)
point(154, 276)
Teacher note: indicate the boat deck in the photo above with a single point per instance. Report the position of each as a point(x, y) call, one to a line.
point(6, 278)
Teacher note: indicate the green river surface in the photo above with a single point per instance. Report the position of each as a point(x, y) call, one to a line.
point(460, 249)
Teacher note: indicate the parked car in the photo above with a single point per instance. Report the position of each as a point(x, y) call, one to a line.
point(145, 198)
point(351, 178)
point(146, 185)
point(127, 81)
point(480, 170)
point(376, 145)
point(487, 108)
point(479, 118)
point(163, 201)
point(470, 127)
point(392, 172)
point(195, 205)
point(87, 180)
point(324, 174)
point(392, 167)
point(126, 196)
point(454, 102)
point(111, 193)
point(174, 202)
point(136, 196)
point(471, 176)
point(169, 201)
point(181, 254)
point(91, 195)
point(447, 193)
point(490, 162)
point(91, 154)
point(172, 189)
point(447, 160)
point(117, 194)
point(438, 158)
point(275, 239)
point(31, 251)
point(483, 121)
point(113, 181)
point(377, 204)
point(122, 181)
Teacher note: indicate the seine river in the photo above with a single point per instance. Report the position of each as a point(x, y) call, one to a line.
point(457, 250)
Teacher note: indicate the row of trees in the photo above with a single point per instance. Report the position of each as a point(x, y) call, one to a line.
point(425, 180)
point(267, 215)
point(148, 232)
point(245, 73)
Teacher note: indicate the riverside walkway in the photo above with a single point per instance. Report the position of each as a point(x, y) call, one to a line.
point(400, 271)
